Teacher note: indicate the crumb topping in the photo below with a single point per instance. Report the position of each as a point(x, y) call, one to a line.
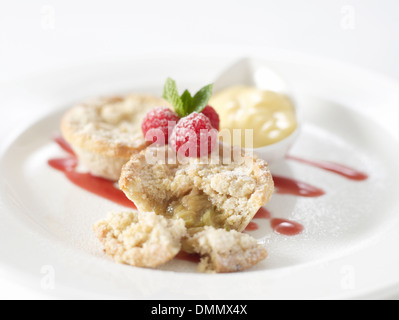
point(140, 239)
point(111, 126)
point(236, 190)
point(225, 251)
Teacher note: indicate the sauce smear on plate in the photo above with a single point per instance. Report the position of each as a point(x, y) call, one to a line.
point(340, 169)
point(195, 258)
point(296, 188)
point(263, 214)
point(286, 227)
point(98, 186)
point(252, 226)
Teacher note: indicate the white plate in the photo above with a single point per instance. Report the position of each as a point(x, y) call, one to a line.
point(348, 248)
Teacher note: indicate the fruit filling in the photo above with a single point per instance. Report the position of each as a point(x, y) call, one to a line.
point(196, 210)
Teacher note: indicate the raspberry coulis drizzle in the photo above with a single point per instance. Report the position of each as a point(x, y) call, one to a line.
point(339, 169)
point(281, 226)
point(286, 186)
point(298, 188)
point(98, 186)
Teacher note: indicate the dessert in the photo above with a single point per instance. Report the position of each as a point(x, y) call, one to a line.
point(217, 191)
point(192, 191)
point(225, 251)
point(148, 240)
point(199, 205)
point(271, 115)
point(105, 132)
point(140, 239)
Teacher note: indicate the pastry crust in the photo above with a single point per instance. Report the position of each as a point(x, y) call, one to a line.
point(225, 251)
point(236, 190)
point(106, 132)
point(140, 239)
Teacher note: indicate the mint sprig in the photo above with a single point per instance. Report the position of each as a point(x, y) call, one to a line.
point(171, 95)
point(186, 103)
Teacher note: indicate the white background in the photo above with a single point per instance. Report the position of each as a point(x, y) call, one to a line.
point(38, 36)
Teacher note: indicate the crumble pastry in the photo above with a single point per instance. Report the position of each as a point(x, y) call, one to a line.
point(224, 194)
point(225, 251)
point(105, 132)
point(140, 239)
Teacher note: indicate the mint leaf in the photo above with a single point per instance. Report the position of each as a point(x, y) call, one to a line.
point(186, 103)
point(201, 99)
point(171, 95)
point(187, 100)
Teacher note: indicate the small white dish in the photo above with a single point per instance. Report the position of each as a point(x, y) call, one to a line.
point(256, 73)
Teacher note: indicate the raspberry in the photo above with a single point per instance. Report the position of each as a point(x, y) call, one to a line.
point(160, 121)
point(213, 116)
point(194, 136)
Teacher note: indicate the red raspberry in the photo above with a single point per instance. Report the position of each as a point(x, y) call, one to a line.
point(213, 116)
point(160, 121)
point(194, 136)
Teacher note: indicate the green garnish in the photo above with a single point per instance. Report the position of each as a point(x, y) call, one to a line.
point(186, 103)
